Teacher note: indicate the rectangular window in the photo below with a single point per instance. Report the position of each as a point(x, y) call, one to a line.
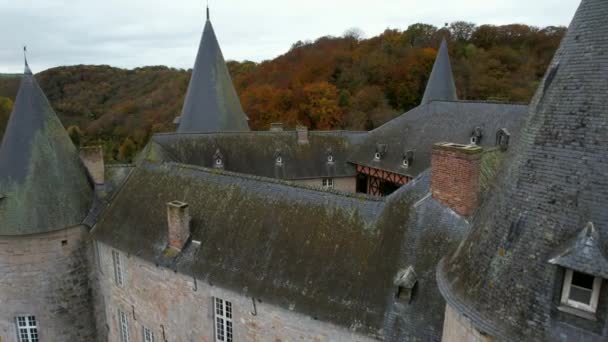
point(123, 326)
point(27, 329)
point(223, 320)
point(581, 291)
point(328, 183)
point(148, 335)
point(118, 268)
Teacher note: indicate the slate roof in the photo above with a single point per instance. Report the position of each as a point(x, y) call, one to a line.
point(255, 153)
point(211, 103)
point(556, 182)
point(330, 255)
point(583, 253)
point(44, 184)
point(441, 86)
point(427, 124)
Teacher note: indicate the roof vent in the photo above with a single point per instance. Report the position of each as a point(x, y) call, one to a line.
point(276, 127)
point(381, 150)
point(408, 159)
point(502, 139)
point(476, 136)
point(177, 120)
point(218, 159)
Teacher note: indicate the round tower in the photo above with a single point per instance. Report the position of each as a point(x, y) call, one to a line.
point(44, 197)
point(534, 267)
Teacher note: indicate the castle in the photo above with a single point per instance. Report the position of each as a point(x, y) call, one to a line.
point(457, 221)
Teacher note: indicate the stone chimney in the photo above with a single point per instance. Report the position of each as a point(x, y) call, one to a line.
point(455, 171)
point(302, 134)
point(178, 219)
point(276, 127)
point(92, 158)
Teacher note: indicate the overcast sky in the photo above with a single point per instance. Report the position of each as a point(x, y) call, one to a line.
point(131, 33)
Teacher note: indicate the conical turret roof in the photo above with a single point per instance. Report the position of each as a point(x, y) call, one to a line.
point(504, 275)
point(211, 103)
point(440, 86)
point(43, 185)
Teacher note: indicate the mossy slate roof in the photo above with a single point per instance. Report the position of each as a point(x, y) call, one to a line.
point(255, 153)
point(329, 255)
point(555, 183)
point(44, 184)
point(427, 124)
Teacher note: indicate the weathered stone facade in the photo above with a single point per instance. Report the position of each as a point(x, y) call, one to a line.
point(458, 328)
point(178, 308)
point(46, 275)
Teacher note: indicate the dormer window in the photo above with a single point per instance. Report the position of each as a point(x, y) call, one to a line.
point(476, 136)
point(218, 159)
point(329, 156)
point(330, 159)
point(405, 281)
point(380, 151)
point(581, 291)
point(279, 161)
point(502, 139)
point(408, 159)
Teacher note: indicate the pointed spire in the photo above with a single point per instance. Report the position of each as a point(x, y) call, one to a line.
point(208, 17)
point(211, 103)
point(42, 181)
point(27, 70)
point(440, 86)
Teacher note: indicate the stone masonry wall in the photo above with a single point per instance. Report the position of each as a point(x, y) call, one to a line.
point(458, 328)
point(176, 308)
point(455, 177)
point(46, 275)
point(347, 184)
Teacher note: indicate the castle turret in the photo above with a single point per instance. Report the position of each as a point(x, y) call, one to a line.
point(44, 197)
point(211, 103)
point(440, 86)
point(533, 267)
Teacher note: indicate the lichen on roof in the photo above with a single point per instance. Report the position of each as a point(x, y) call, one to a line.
point(44, 183)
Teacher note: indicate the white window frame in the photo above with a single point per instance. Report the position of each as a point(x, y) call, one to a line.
point(27, 328)
point(123, 326)
point(595, 294)
point(147, 334)
point(223, 313)
point(119, 271)
point(327, 183)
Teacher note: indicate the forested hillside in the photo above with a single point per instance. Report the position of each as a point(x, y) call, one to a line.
point(331, 83)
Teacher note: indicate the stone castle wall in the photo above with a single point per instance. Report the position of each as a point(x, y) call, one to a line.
point(46, 275)
point(176, 308)
point(458, 328)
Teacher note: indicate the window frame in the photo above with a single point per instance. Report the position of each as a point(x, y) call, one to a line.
point(123, 326)
point(31, 330)
point(327, 183)
point(119, 271)
point(223, 314)
point(595, 293)
point(147, 337)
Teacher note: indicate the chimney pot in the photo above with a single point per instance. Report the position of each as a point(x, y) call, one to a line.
point(92, 158)
point(178, 219)
point(455, 171)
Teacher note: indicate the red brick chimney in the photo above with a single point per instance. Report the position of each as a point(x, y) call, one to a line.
point(92, 158)
point(455, 173)
point(178, 219)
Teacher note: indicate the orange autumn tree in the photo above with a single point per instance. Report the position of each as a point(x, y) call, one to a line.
point(320, 109)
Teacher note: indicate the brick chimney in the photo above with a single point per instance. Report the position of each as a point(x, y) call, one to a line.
point(92, 158)
point(178, 219)
point(455, 173)
point(276, 127)
point(302, 134)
